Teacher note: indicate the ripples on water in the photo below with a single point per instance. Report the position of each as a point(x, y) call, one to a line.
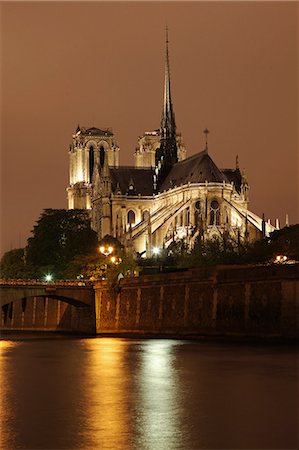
point(121, 394)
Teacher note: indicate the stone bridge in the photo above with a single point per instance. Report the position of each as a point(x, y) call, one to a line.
point(35, 305)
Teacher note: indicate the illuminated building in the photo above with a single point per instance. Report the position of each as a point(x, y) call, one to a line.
point(166, 196)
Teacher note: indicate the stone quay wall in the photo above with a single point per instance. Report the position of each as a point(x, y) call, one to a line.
point(253, 301)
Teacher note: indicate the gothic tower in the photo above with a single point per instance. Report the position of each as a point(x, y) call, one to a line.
point(85, 149)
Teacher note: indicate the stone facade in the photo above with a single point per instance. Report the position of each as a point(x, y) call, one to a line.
point(86, 150)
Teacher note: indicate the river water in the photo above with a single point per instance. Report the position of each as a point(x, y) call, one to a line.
point(123, 394)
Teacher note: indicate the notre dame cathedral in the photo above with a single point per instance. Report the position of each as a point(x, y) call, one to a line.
point(166, 196)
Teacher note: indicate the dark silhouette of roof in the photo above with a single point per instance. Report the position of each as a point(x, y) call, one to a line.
point(233, 175)
point(93, 131)
point(124, 177)
point(198, 168)
point(195, 169)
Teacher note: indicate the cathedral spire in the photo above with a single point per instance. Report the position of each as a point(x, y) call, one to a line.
point(168, 126)
point(167, 155)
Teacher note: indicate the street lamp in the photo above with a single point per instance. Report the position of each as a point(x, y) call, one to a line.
point(156, 251)
point(106, 250)
point(49, 277)
point(281, 259)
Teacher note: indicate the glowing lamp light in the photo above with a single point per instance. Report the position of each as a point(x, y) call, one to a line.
point(106, 250)
point(113, 259)
point(156, 251)
point(280, 259)
point(49, 277)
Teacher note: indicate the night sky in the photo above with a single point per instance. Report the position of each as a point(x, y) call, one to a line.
point(233, 70)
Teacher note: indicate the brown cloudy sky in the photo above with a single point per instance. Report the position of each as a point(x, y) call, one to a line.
point(233, 68)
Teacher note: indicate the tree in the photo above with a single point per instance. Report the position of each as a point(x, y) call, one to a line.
point(98, 266)
point(222, 250)
point(13, 264)
point(285, 242)
point(58, 237)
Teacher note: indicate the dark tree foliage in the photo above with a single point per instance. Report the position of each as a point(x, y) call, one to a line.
point(285, 242)
point(216, 251)
point(225, 251)
point(97, 265)
point(58, 236)
point(13, 264)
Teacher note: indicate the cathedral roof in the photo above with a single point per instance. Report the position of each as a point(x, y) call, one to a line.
point(195, 169)
point(124, 177)
point(93, 131)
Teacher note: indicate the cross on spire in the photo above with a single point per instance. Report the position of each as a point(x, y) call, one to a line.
point(206, 132)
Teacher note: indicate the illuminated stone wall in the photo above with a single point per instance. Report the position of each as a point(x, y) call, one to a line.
point(242, 301)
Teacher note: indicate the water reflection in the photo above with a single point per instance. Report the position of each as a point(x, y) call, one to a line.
point(159, 421)
point(106, 380)
point(6, 414)
point(119, 394)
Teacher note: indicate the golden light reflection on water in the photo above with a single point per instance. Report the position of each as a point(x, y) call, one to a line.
point(106, 377)
point(137, 399)
point(5, 388)
point(4, 345)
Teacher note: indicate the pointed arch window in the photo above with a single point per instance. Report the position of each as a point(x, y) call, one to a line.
point(214, 213)
point(91, 162)
point(197, 213)
point(131, 217)
point(145, 215)
point(102, 155)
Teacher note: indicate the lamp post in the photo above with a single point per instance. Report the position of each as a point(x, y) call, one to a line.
point(105, 250)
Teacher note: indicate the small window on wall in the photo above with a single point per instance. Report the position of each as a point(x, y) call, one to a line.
point(197, 206)
point(102, 155)
point(214, 213)
point(131, 217)
point(196, 213)
point(145, 215)
point(91, 162)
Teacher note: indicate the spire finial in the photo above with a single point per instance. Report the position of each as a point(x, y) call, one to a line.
point(237, 161)
point(206, 132)
point(166, 29)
